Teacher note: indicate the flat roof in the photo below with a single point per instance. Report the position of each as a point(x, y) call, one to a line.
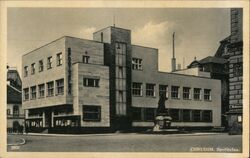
point(59, 39)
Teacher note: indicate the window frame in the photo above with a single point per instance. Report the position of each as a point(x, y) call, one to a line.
point(26, 71)
point(207, 97)
point(33, 68)
point(136, 89)
point(185, 93)
point(49, 62)
point(33, 92)
point(197, 94)
point(41, 65)
point(137, 64)
point(98, 113)
point(26, 94)
point(86, 82)
point(60, 86)
point(174, 93)
point(150, 91)
point(41, 91)
point(85, 59)
point(50, 89)
point(59, 59)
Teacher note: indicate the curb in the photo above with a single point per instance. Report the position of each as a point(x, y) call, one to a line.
point(111, 134)
point(18, 144)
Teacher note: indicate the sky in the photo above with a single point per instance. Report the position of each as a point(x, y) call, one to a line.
point(197, 31)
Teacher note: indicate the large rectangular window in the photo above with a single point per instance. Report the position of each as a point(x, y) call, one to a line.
point(41, 89)
point(149, 114)
point(186, 93)
point(207, 94)
point(33, 68)
point(174, 92)
point(50, 88)
point(175, 114)
point(136, 64)
point(33, 92)
point(163, 89)
point(59, 59)
point(91, 113)
point(137, 114)
point(26, 93)
point(186, 115)
point(197, 94)
point(137, 89)
point(40, 65)
point(49, 62)
point(150, 90)
point(26, 71)
point(60, 87)
point(196, 115)
point(207, 116)
point(91, 82)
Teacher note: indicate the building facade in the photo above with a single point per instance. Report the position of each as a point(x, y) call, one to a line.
point(108, 84)
point(236, 72)
point(15, 113)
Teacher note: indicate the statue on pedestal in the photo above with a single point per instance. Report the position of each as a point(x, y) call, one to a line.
point(162, 119)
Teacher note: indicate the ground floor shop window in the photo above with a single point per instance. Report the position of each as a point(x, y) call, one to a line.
point(178, 115)
point(67, 122)
point(91, 113)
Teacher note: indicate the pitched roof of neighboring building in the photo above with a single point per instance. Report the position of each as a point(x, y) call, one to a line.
point(13, 95)
point(14, 78)
point(221, 50)
point(211, 59)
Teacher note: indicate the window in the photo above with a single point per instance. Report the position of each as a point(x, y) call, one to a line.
point(150, 90)
point(163, 89)
point(26, 70)
point(207, 116)
point(33, 92)
point(91, 113)
point(196, 115)
point(33, 68)
point(238, 69)
point(41, 90)
point(137, 114)
point(59, 59)
point(15, 110)
point(137, 89)
point(174, 92)
point(49, 62)
point(197, 94)
point(149, 114)
point(207, 94)
point(186, 115)
point(85, 59)
point(137, 64)
point(8, 111)
point(186, 93)
point(50, 88)
point(90, 82)
point(60, 86)
point(174, 113)
point(26, 93)
point(40, 65)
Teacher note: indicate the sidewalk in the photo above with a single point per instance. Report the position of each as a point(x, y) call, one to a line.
point(112, 134)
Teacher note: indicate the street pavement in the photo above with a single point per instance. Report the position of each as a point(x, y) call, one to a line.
point(130, 143)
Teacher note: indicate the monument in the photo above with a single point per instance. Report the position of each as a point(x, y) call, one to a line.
point(162, 119)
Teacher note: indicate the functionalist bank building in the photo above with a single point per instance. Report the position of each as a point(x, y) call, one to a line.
point(106, 84)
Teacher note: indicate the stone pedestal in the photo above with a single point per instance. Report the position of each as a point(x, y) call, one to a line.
point(162, 122)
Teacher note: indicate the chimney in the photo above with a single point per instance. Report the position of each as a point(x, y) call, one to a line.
point(173, 59)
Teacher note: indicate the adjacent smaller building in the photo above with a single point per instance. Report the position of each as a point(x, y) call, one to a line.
point(15, 114)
